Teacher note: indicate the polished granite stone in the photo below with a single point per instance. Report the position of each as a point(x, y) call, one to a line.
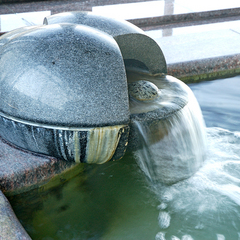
point(206, 69)
point(59, 95)
point(134, 44)
point(22, 170)
point(63, 78)
point(19, 168)
point(10, 227)
point(208, 28)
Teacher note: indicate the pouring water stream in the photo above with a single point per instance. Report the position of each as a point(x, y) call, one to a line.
point(206, 204)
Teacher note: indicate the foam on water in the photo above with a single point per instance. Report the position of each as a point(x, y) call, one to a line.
point(164, 219)
point(206, 206)
point(203, 201)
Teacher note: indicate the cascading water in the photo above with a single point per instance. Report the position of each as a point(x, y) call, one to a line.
point(205, 206)
point(180, 153)
point(172, 148)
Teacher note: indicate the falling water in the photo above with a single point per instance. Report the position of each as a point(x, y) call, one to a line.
point(175, 149)
point(205, 205)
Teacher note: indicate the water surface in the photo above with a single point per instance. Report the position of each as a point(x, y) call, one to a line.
point(116, 201)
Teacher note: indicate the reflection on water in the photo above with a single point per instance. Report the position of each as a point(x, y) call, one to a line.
point(109, 201)
point(114, 200)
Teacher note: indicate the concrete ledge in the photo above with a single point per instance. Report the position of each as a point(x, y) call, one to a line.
point(206, 69)
point(185, 18)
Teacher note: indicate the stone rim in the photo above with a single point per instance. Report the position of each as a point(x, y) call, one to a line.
point(70, 144)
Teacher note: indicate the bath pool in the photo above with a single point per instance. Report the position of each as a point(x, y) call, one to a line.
point(114, 201)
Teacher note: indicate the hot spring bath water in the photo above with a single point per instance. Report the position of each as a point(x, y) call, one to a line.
point(119, 201)
point(207, 205)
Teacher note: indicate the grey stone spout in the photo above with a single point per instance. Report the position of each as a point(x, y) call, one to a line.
point(60, 97)
point(138, 50)
point(64, 86)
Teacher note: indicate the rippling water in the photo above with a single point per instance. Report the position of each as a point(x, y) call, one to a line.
point(114, 201)
point(207, 205)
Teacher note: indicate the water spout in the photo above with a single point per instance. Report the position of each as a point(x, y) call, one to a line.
point(171, 148)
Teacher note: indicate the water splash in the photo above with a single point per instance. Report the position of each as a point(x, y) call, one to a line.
point(207, 205)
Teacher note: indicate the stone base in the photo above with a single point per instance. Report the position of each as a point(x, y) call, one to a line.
point(10, 227)
point(21, 170)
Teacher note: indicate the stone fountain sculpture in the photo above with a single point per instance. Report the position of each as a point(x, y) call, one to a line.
point(65, 91)
point(74, 88)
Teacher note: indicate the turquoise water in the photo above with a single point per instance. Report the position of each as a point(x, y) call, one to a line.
point(116, 201)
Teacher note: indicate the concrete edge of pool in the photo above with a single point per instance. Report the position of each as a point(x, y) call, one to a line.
point(23, 171)
point(206, 69)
